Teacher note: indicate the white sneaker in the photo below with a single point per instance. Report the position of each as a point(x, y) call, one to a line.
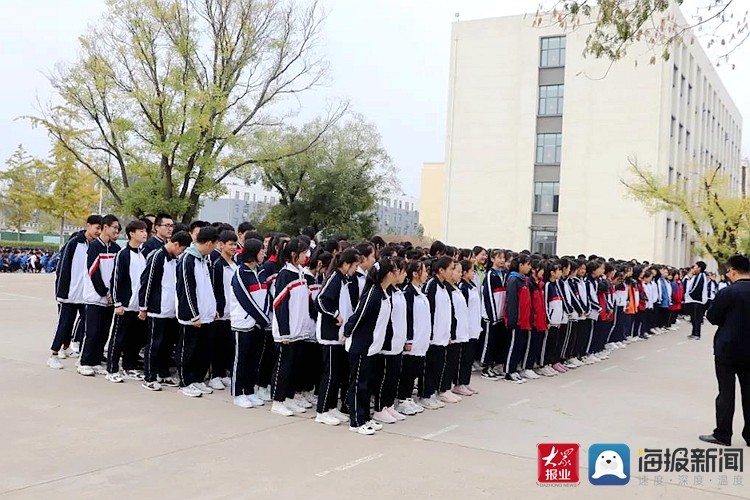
point(530, 374)
point(75, 347)
point(264, 393)
point(404, 408)
point(569, 364)
point(99, 370)
point(396, 414)
point(113, 377)
point(375, 425)
point(300, 401)
point(383, 416)
point(226, 381)
point(191, 391)
point(67, 353)
point(255, 400)
point(448, 397)
point(621, 345)
point(280, 409)
point(216, 384)
point(242, 401)
point(335, 412)
point(310, 397)
point(86, 371)
point(414, 405)
point(326, 418)
point(365, 430)
point(515, 378)
point(429, 403)
point(54, 362)
point(168, 381)
point(203, 388)
point(132, 375)
point(292, 405)
point(151, 386)
point(549, 371)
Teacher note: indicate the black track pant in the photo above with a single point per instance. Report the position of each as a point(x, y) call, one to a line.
point(246, 361)
point(412, 368)
point(725, 375)
point(128, 335)
point(267, 359)
point(696, 317)
point(222, 349)
point(387, 373)
point(435, 367)
point(160, 345)
point(98, 325)
point(518, 342)
point(193, 353)
point(465, 360)
point(282, 379)
point(307, 367)
point(551, 348)
point(334, 373)
point(66, 321)
point(358, 396)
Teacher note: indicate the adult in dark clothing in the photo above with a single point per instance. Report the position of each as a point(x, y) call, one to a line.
point(730, 311)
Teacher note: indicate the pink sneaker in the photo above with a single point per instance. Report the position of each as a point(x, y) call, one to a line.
point(461, 390)
point(559, 368)
point(395, 414)
point(472, 389)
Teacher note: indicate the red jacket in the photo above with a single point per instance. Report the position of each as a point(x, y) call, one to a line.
point(538, 306)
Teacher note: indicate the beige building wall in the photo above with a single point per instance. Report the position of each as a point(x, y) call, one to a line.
point(432, 199)
point(612, 113)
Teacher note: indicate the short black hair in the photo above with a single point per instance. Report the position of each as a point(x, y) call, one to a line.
point(133, 226)
point(180, 226)
point(245, 227)
point(207, 234)
point(739, 263)
point(702, 265)
point(109, 219)
point(182, 238)
point(253, 235)
point(94, 219)
point(226, 235)
point(198, 223)
point(149, 224)
point(160, 217)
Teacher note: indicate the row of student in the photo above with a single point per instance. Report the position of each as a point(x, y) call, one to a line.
point(454, 327)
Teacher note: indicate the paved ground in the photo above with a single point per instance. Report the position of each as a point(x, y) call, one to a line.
point(67, 436)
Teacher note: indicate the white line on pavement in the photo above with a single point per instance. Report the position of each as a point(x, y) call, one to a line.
point(571, 384)
point(609, 368)
point(350, 465)
point(662, 349)
point(639, 358)
point(437, 433)
point(21, 296)
point(520, 402)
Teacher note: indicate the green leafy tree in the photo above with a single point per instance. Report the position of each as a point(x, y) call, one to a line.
point(719, 218)
point(334, 185)
point(23, 182)
point(615, 25)
point(167, 96)
point(72, 194)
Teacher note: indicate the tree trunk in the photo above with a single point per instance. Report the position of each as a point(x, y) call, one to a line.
point(62, 230)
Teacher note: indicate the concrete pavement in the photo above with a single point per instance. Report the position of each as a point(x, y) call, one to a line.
point(67, 436)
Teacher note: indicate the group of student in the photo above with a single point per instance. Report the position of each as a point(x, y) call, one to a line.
point(341, 326)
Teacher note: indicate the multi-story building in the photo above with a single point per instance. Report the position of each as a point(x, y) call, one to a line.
point(398, 214)
point(539, 139)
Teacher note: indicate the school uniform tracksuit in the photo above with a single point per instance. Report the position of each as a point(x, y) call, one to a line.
point(496, 342)
point(698, 293)
point(418, 332)
point(466, 350)
point(100, 262)
point(195, 302)
point(557, 319)
point(222, 345)
point(129, 332)
point(69, 279)
point(249, 305)
point(157, 296)
point(518, 320)
point(443, 330)
point(537, 339)
point(388, 360)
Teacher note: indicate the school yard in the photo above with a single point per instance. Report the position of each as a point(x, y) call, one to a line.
point(66, 436)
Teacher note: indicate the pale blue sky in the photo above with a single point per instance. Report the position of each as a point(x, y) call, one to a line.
point(388, 57)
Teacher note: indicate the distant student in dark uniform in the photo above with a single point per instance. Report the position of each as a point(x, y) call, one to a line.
point(730, 311)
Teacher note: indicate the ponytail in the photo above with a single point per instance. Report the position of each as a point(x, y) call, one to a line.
point(348, 256)
point(384, 266)
point(289, 248)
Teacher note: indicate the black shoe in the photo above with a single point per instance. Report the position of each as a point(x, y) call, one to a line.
point(709, 438)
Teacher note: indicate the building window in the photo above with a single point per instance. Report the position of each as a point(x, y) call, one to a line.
point(674, 76)
point(247, 197)
point(671, 127)
point(544, 242)
point(669, 228)
point(682, 86)
point(548, 148)
point(550, 100)
point(679, 136)
point(690, 94)
point(546, 197)
point(671, 175)
point(236, 195)
point(553, 52)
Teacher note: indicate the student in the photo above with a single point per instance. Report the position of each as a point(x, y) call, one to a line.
point(493, 313)
point(358, 280)
point(578, 300)
point(196, 311)
point(157, 303)
point(517, 315)
point(557, 318)
point(569, 362)
point(664, 299)
point(291, 310)
point(698, 293)
point(604, 323)
point(222, 340)
point(249, 307)
point(441, 313)
point(163, 227)
point(388, 360)
point(334, 309)
point(69, 278)
point(195, 228)
point(418, 332)
point(365, 333)
point(100, 261)
point(480, 263)
point(129, 332)
point(466, 355)
point(677, 298)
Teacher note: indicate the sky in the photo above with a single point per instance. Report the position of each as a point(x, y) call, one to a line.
point(389, 58)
